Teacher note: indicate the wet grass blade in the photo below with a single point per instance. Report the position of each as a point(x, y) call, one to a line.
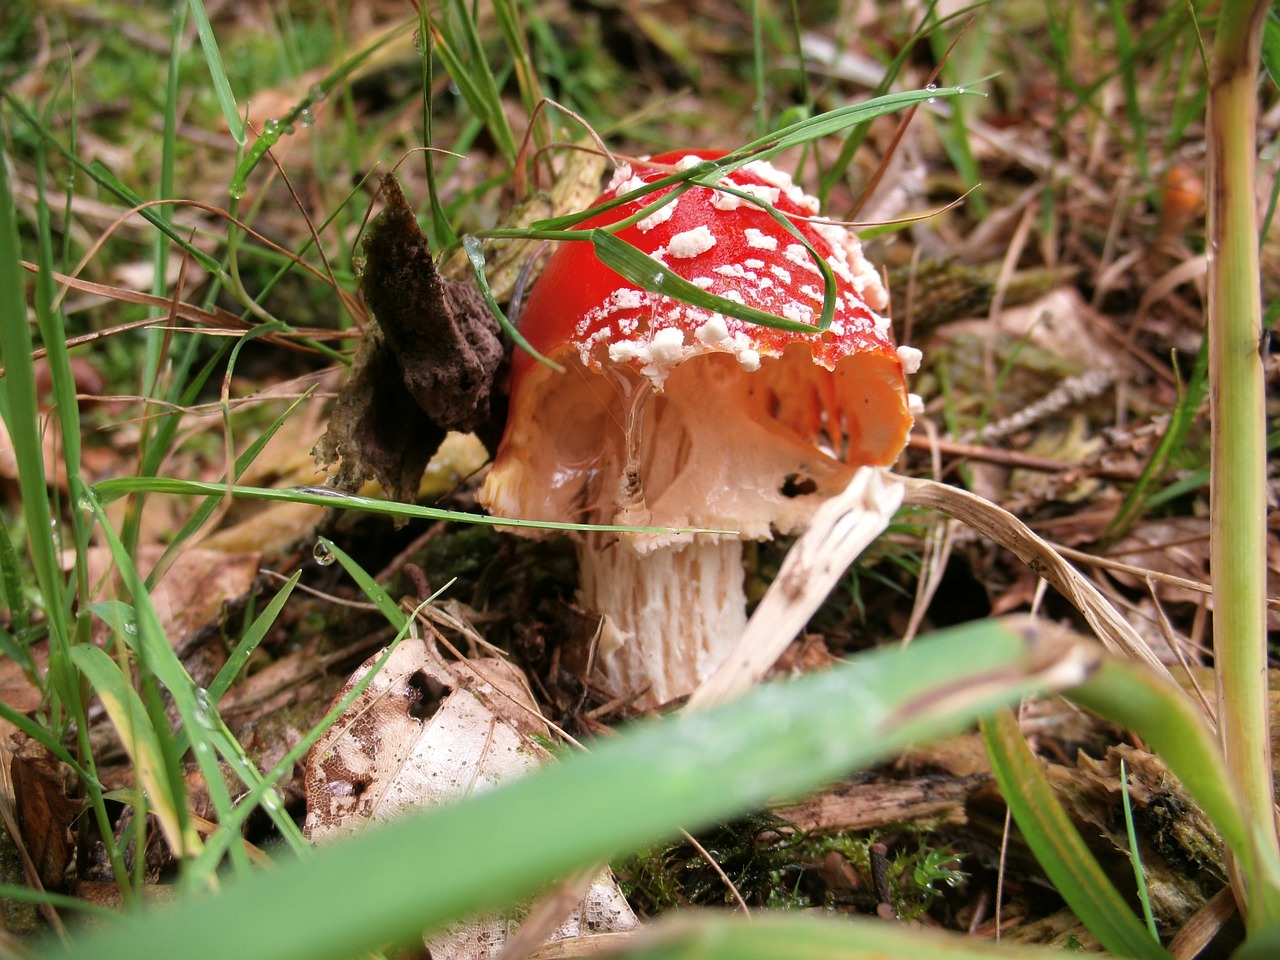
point(109, 490)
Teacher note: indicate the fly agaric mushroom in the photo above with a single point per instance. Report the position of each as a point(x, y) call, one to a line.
point(669, 415)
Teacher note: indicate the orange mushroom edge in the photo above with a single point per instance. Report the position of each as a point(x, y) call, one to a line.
point(674, 417)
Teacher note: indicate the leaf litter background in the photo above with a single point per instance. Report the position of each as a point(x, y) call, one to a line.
point(1059, 308)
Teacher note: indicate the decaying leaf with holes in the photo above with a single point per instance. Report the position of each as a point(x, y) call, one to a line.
point(426, 732)
point(426, 367)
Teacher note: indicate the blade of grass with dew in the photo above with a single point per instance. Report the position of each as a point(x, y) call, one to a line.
point(388, 883)
point(377, 596)
point(221, 85)
point(793, 135)
point(1238, 494)
point(1057, 844)
point(108, 490)
point(474, 249)
point(150, 725)
point(319, 91)
point(209, 736)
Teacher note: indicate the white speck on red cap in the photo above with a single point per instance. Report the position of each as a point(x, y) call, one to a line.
point(658, 217)
point(910, 357)
point(691, 243)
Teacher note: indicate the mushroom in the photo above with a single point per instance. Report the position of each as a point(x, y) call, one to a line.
point(672, 416)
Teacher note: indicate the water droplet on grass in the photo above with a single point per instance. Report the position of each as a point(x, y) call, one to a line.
point(322, 554)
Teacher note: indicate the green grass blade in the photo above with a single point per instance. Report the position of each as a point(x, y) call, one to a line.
point(461, 51)
point(109, 490)
point(250, 640)
point(1184, 414)
point(516, 38)
point(20, 409)
point(1058, 846)
point(648, 274)
point(1271, 47)
point(713, 936)
point(221, 85)
point(1139, 877)
point(391, 881)
point(379, 597)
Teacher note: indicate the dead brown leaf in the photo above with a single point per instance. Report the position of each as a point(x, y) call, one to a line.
point(44, 811)
point(426, 732)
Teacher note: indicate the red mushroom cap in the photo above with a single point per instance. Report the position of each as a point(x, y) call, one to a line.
point(818, 403)
point(725, 245)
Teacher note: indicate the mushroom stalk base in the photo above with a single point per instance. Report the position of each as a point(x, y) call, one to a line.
point(672, 614)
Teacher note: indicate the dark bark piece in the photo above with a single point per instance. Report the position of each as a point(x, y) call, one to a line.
point(426, 367)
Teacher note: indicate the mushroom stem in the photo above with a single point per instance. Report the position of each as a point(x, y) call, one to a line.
point(672, 613)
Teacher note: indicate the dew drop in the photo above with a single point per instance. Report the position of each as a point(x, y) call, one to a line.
point(271, 128)
point(236, 191)
point(206, 716)
point(305, 117)
point(316, 93)
point(322, 554)
point(130, 627)
point(658, 278)
point(417, 40)
point(931, 87)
